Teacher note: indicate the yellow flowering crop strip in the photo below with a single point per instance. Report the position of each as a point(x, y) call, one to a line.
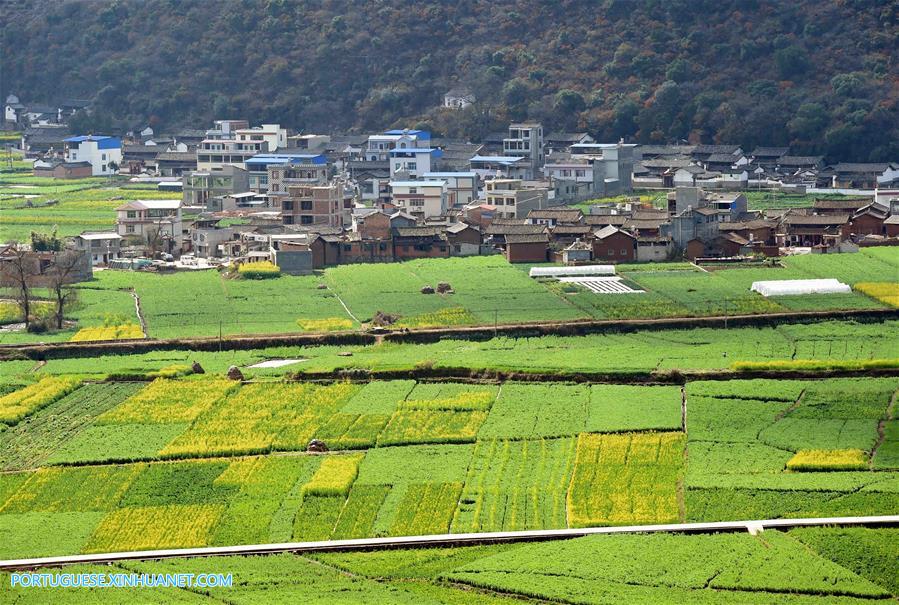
point(828, 460)
point(331, 324)
point(115, 332)
point(426, 426)
point(334, 477)
point(17, 405)
point(70, 489)
point(259, 270)
point(166, 401)
point(262, 417)
point(885, 292)
point(626, 478)
point(155, 527)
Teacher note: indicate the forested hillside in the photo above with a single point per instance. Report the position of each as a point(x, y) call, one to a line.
point(820, 75)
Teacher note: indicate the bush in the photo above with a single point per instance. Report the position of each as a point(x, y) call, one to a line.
point(259, 270)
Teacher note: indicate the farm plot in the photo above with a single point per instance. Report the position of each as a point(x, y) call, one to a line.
point(527, 411)
point(260, 418)
point(601, 285)
point(620, 408)
point(26, 401)
point(626, 478)
point(27, 445)
point(666, 568)
point(514, 485)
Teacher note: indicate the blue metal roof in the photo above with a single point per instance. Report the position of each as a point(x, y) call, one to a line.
point(103, 141)
point(411, 151)
point(264, 159)
point(420, 134)
point(495, 159)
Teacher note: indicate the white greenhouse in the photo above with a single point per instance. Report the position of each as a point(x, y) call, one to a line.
point(572, 271)
point(796, 287)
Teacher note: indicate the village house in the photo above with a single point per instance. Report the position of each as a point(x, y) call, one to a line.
point(413, 162)
point(499, 166)
point(100, 246)
point(420, 198)
point(258, 166)
point(103, 153)
point(615, 245)
point(514, 198)
point(554, 216)
point(151, 219)
point(379, 146)
point(458, 97)
point(464, 239)
point(869, 220)
point(201, 185)
point(525, 140)
point(41, 268)
point(526, 248)
point(864, 176)
point(59, 169)
point(461, 187)
point(812, 229)
point(420, 242)
point(326, 205)
point(562, 141)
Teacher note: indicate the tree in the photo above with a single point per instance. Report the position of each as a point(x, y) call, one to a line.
point(810, 120)
point(61, 274)
point(46, 242)
point(791, 61)
point(18, 271)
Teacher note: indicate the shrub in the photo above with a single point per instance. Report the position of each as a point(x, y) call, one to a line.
point(259, 270)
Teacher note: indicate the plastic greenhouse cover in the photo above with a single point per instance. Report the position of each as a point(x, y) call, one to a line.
point(795, 287)
point(581, 270)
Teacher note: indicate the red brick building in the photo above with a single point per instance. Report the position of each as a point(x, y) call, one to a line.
point(614, 245)
point(527, 248)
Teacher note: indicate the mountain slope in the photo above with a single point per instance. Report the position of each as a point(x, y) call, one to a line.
point(820, 75)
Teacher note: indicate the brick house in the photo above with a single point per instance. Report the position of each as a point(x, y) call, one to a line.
point(526, 248)
point(614, 245)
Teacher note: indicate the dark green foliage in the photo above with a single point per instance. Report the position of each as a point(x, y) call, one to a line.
point(177, 483)
point(650, 71)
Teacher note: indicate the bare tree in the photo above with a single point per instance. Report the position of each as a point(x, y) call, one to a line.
point(60, 274)
point(19, 269)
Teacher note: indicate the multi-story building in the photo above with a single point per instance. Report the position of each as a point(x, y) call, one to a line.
point(201, 185)
point(103, 153)
point(324, 205)
point(232, 143)
point(380, 145)
point(526, 140)
point(258, 165)
point(305, 170)
point(593, 170)
point(412, 162)
point(515, 198)
point(100, 246)
point(151, 219)
point(420, 198)
point(461, 187)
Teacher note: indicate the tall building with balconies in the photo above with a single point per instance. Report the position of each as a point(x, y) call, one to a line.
point(526, 140)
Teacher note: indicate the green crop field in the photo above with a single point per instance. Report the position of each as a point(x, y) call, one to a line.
point(801, 567)
point(486, 290)
point(206, 461)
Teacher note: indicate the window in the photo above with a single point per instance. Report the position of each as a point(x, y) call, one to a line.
point(306, 205)
point(131, 214)
point(610, 252)
point(129, 229)
point(624, 253)
point(306, 219)
point(103, 157)
point(347, 247)
point(288, 220)
point(413, 189)
point(287, 205)
point(103, 168)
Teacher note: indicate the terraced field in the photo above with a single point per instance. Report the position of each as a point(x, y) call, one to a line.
point(206, 461)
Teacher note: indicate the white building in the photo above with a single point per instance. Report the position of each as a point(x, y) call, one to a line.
point(458, 98)
point(514, 198)
point(461, 187)
point(151, 218)
point(420, 198)
point(231, 143)
point(412, 161)
point(101, 246)
point(380, 145)
point(103, 153)
point(526, 140)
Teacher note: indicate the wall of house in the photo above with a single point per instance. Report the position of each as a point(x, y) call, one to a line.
point(526, 253)
point(293, 262)
point(618, 247)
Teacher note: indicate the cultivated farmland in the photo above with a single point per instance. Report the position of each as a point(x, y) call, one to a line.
point(201, 461)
